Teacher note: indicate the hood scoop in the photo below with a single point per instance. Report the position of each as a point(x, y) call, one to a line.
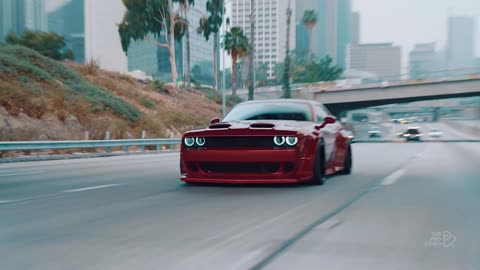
point(262, 125)
point(219, 126)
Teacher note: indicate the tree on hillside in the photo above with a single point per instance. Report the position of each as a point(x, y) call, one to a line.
point(185, 7)
point(158, 21)
point(310, 20)
point(49, 44)
point(211, 24)
point(236, 43)
point(317, 72)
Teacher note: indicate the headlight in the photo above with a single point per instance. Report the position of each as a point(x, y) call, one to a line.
point(279, 141)
point(200, 141)
point(292, 141)
point(189, 141)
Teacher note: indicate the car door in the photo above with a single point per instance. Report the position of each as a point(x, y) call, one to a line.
point(329, 132)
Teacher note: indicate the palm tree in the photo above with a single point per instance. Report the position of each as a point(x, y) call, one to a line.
point(310, 20)
point(236, 43)
point(211, 24)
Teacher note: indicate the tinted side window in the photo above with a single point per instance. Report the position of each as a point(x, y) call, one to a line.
point(321, 113)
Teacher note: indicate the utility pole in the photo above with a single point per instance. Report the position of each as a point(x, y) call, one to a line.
point(251, 68)
point(287, 91)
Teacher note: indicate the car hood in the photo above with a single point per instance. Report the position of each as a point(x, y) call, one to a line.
point(264, 127)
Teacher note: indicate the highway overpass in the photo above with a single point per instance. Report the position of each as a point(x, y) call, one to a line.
point(351, 97)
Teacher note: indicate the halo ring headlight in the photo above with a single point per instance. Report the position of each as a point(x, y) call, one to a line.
point(189, 141)
point(291, 141)
point(279, 140)
point(200, 141)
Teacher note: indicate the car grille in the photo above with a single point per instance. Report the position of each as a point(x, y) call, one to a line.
point(240, 142)
point(259, 167)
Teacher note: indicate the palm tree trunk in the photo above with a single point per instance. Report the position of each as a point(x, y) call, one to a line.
point(234, 75)
point(187, 41)
point(215, 61)
point(309, 45)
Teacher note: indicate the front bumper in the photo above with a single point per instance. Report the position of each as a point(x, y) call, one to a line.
point(245, 166)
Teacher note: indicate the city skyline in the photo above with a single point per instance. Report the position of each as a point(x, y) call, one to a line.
point(270, 29)
point(403, 23)
point(409, 22)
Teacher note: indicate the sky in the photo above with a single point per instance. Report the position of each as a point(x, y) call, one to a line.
point(407, 22)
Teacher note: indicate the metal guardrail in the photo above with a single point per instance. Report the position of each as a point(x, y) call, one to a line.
point(51, 145)
point(422, 141)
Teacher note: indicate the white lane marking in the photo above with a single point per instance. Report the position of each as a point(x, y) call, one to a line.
point(249, 260)
point(392, 178)
point(16, 174)
point(5, 202)
point(329, 224)
point(90, 188)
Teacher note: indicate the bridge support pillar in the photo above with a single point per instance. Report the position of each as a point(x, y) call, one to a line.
point(436, 115)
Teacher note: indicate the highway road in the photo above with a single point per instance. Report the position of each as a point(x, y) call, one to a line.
point(390, 130)
point(406, 206)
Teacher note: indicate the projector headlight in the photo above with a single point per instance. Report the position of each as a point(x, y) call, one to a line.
point(278, 140)
point(292, 141)
point(189, 141)
point(200, 141)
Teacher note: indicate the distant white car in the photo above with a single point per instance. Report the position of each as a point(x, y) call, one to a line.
point(435, 133)
point(374, 133)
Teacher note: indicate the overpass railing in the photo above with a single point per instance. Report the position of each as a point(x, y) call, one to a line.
point(107, 144)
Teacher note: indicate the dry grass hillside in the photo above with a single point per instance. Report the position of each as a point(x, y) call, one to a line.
point(42, 99)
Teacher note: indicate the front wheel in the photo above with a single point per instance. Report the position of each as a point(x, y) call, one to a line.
point(347, 162)
point(319, 168)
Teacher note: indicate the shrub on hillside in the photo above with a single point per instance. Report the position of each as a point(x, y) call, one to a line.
point(21, 61)
point(158, 86)
point(147, 103)
point(50, 45)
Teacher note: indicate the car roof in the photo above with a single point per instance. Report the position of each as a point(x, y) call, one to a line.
point(304, 101)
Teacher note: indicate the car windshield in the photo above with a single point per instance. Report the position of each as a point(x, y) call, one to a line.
point(270, 111)
point(413, 131)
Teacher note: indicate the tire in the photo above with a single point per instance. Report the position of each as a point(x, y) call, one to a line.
point(318, 178)
point(348, 162)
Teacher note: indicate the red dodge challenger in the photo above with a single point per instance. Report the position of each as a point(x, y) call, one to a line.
point(273, 141)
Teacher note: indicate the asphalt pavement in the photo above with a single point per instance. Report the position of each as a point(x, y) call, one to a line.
point(406, 206)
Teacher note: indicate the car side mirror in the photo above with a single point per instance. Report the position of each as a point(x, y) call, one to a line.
point(215, 121)
point(330, 120)
point(326, 121)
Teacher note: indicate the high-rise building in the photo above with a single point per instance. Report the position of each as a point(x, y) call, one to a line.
point(333, 32)
point(102, 41)
point(270, 29)
point(20, 15)
point(35, 15)
point(201, 50)
point(460, 44)
point(355, 28)
point(422, 61)
point(302, 35)
point(68, 20)
point(382, 59)
point(344, 31)
point(142, 55)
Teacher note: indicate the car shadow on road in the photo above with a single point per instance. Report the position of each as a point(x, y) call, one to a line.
point(257, 186)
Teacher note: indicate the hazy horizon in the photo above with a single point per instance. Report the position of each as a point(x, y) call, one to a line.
point(409, 22)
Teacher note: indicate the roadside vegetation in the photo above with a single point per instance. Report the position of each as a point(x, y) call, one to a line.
point(45, 99)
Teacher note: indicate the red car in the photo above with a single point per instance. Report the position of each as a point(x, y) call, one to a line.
point(273, 141)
